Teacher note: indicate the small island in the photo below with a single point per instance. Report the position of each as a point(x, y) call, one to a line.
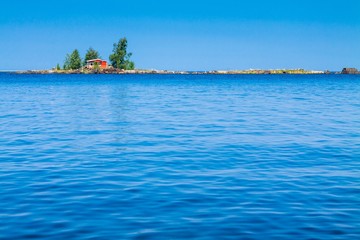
point(93, 63)
point(120, 63)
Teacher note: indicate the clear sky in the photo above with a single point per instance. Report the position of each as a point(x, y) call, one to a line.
point(184, 34)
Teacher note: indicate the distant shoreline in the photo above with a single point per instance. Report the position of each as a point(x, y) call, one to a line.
point(214, 72)
point(164, 72)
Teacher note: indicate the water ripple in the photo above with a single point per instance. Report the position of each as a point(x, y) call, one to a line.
point(178, 157)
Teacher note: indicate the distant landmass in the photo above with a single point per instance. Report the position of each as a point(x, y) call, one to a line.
point(120, 63)
point(111, 70)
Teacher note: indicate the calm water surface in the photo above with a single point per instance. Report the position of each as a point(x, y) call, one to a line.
point(179, 157)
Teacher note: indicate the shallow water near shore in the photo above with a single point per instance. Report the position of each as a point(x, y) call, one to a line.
point(179, 156)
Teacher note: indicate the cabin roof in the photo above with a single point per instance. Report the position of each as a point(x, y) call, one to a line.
point(96, 60)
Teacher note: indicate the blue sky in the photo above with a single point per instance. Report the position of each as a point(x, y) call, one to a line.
point(186, 34)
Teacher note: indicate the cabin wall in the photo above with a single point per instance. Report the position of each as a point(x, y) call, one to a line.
point(103, 64)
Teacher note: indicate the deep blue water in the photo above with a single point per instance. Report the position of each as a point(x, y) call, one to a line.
point(179, 157)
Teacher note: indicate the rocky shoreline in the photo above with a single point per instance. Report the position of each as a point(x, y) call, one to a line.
point(139, 71)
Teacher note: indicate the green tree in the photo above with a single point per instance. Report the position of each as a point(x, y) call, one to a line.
point(91, 54)
point(120, 57)
point(72, 61)
point(75, 60)
point(67, 62)
point(58, 68)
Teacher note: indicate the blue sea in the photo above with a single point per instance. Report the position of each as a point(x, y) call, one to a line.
point(179, 156)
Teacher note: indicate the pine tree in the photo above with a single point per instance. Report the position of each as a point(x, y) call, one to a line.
point(91, 54)
point(75, 60)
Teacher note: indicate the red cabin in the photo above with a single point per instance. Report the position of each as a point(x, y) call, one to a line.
point(101, 63)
